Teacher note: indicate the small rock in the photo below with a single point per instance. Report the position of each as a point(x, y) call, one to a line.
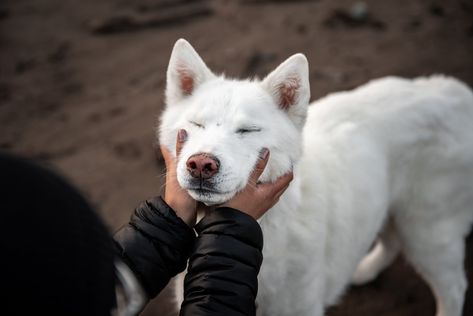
point(357, 16)
point(359, 11)
point(24, 65)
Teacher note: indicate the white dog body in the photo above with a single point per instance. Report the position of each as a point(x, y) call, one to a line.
point(392, 148)
point(393, 158)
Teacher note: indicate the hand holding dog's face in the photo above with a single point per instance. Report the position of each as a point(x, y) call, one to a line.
point(175, 196)
point(255, 199)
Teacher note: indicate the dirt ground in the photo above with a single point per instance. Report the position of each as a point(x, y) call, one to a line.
point(81, 87)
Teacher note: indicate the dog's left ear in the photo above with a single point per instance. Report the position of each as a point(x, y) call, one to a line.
point(289, 87)
point(186, 71)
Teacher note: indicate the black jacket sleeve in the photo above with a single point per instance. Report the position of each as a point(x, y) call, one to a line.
point(223, 268)
point(155, 244)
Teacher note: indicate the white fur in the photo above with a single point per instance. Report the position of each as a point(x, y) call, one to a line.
point(392, 158)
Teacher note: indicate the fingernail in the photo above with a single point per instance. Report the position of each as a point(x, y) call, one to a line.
point(263, 154)
point(181, 135)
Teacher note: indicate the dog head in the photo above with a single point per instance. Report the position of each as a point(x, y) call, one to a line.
point(229, 122)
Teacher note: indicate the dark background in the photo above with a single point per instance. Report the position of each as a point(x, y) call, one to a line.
point(81, 87)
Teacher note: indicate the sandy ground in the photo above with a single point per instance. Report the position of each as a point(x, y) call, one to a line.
point(81, 87)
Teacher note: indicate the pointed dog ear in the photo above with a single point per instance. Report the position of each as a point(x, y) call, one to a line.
point(186, 71)
point(289, 87)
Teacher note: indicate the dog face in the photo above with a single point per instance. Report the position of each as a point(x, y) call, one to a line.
point(229, 122)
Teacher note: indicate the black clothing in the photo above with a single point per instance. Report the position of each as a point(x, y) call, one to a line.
point(57, 255)
point(223, 268)
point(224, 259)
point(155, 244)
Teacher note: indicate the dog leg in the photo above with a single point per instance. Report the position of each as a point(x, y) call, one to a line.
point(382, 255)
point(439, 259)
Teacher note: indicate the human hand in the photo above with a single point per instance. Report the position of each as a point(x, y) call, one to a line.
point(257, 198)
point(174, 195)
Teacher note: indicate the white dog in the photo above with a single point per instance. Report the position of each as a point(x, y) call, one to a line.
point(392, 159)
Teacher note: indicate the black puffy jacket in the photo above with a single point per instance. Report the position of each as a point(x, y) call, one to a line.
point(224, 258)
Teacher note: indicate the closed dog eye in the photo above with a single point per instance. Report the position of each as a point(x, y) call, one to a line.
point(248, 130)
point(197, 124)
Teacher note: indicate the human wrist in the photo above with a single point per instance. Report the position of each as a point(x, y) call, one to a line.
point(187, 218)
point(247, 209)
point(186, 213)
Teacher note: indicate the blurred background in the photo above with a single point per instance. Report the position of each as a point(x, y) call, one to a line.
point(82, 82)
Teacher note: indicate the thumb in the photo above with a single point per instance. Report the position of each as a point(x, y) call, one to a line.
point(166, 154)
point(260, 165)
point(180, 140)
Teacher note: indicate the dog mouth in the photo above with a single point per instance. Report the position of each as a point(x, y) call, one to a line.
point(201, 185)
point(204, 191)
point(210, 196)
point(207, 191)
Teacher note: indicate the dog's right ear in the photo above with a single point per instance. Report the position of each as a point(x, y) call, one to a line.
point(186, 71)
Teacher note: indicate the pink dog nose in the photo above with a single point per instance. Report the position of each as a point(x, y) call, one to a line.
point(202, 165)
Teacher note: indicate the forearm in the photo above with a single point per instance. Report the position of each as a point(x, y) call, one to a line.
point(223, 268)
point(155, 244)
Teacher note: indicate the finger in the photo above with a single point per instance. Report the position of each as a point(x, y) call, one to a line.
point(281, 192)
point(166, 154)
point(260, 165)
point(180, 140)
point(277, 197)
point(270, 196)
point(281, 183)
